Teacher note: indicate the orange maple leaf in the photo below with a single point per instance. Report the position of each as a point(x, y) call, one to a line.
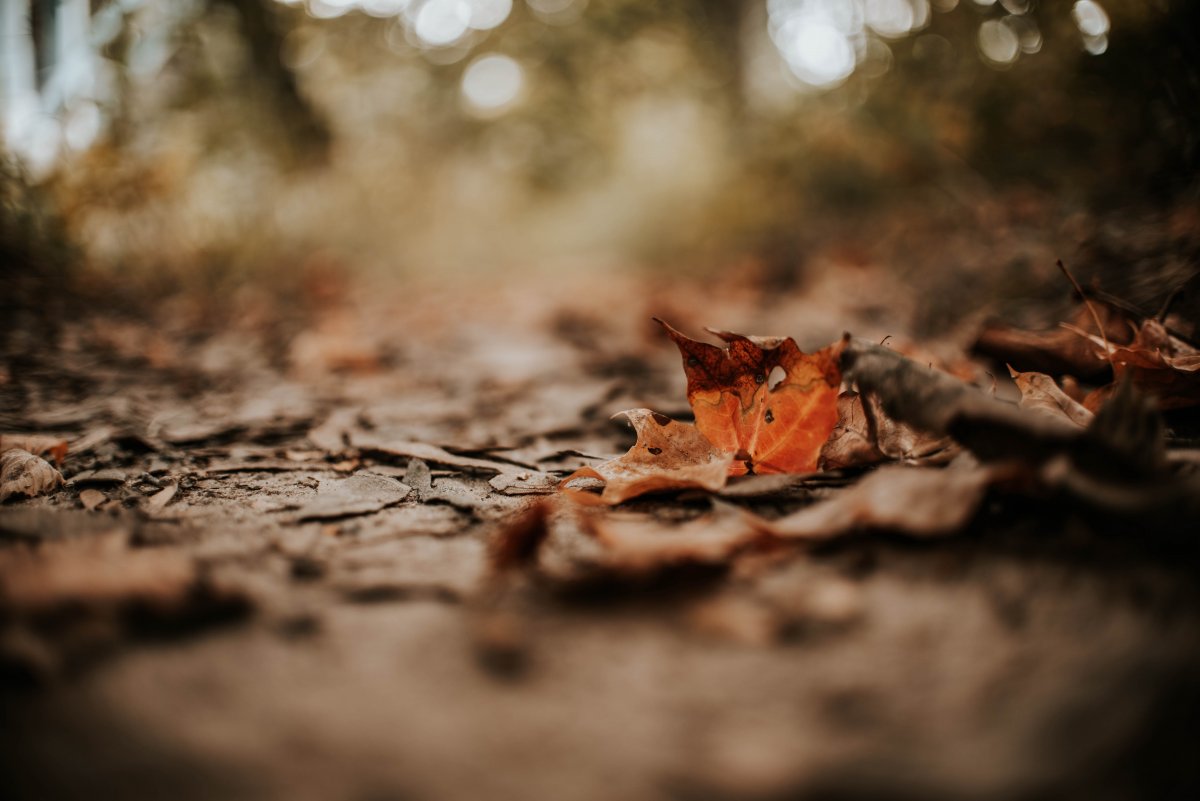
point(776, 428)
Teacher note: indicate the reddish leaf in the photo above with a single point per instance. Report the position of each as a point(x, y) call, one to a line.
point(1156, 362)
point(774, 429)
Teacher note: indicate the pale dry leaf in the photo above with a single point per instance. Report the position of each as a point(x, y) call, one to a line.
point(91, 498)
point(919, 501)
point(866, 435)
point(639, 543)
point(432, 454)
point(37, 444)
point(1040, 394)
point(362, 493)
point(22, 473)
point(1155, 362)
point(159, 500)
point(667, 455)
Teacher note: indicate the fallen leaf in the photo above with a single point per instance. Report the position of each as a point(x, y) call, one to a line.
point(774, 427)
point(866, 435)
point(159, 500)
point(359, 494)
point(940, 405)
point(667, 455)
point(1156, 362)
point(640, 543)
point(92, 498)
point(367, 441)
point(1055, 351)
point(109, 476)
point(517, 542)
point(919, 501)
point(1040, 394)
point(22, 473)
point(37, 444)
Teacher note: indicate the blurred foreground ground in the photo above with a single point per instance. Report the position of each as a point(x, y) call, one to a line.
point(293, 623)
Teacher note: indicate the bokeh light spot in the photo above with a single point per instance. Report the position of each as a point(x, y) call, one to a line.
point(1090, 17)
point(441, 23)
point(491, 84)
point(998, 43)
point(817, 52)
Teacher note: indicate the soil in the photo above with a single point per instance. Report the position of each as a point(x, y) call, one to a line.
point(283, 590)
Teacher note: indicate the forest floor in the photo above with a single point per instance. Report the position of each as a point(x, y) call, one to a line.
point(270, 574)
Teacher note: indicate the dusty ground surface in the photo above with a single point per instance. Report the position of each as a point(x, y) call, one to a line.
point(282, 589)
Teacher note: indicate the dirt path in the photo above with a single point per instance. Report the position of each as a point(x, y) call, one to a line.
point(282, 588)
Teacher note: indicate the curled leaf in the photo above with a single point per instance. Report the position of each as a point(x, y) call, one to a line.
point(775, 427)
point(640, 543)
point(919, 501)
point(667, 455)
point(1040, 393)
point(37, 444)
point(1155, 362)
point(22, 473)
point(866, 435)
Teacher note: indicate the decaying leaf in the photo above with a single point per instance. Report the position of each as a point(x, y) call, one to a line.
point(518, 541)
point(939, 404)
point(359, 494)
point(22, 473)
point(1040, 393)
point(159, 500)
point(91, 498)
point(774, 428)
point(866, 435)
point(1056, 351)
point(637, 543)
point(37, 444)
point(1155, 362)
point(919, 501)
point(667, 455)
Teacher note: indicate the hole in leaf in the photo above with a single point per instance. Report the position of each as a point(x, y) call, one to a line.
point(655, 451)
point(660, 418)
point(776, 377)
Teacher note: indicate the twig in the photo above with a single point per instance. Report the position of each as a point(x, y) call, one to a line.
point(1092, 311)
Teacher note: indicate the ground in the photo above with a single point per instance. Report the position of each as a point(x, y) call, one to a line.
point(283, 585)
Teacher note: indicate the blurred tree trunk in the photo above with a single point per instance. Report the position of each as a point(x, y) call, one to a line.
point(307, 131)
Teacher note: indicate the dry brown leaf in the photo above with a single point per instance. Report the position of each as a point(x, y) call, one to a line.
point(919, 501)
point(22, 473)
point(1040, 394)
point(1056, 351)
point(667, 455)
point(159, 500)
point(37, 444)
point(361, 493)
point(778, 428)
point(866, 435)
point(91, 498)
point(518, 541)
point(641, 543)
point(1156, 362)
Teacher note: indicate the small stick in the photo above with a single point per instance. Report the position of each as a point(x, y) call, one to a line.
point(1091, 310)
